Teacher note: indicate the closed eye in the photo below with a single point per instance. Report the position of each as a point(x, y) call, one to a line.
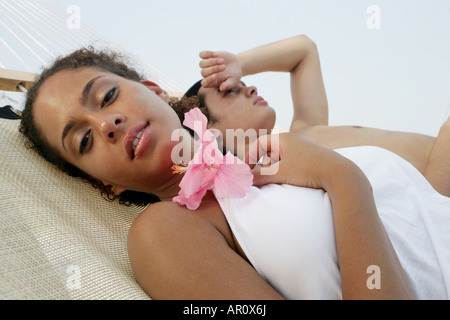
point(233, 90)
point(228, 92)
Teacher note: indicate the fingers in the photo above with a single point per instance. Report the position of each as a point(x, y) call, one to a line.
point(268, 174)
point(267, 145)
point(255, 152)
point(206, 72)
point(206, 54)
point(230, 83)
point(210, 81)
point(210, 62)
point(260, 179)
point(211, 65)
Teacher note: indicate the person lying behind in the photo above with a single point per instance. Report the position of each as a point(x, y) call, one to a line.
point(85, 114)
point(230, 104)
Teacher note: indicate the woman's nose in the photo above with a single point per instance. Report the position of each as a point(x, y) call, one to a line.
point(250, 91)
point(110, 126)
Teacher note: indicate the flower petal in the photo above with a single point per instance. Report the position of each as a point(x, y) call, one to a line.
point(192, 202)
point(194, 186)
point(228, 176)
point(197, 121)
point(211, 154)
point(192, 180)
point(233, 179)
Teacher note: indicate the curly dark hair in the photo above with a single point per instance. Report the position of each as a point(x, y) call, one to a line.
point(192, 99)
point(112, 62)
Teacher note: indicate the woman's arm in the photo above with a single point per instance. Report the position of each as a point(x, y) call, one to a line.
point(180, 254)
point(297, 55)
point(437, 169)
point(361, 240)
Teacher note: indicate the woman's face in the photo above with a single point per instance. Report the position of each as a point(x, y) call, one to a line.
point(116, 130)
point(238, 108)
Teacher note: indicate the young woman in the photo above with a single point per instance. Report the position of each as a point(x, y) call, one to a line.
point(95, 118)
point(232, 105)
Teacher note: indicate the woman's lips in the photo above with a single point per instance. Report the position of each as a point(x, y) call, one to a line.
point(259, 101)
point(143, 142)
point(137, 140)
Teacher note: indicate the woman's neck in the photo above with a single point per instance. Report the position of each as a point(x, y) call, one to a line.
point(183, 152)
point(170, 188)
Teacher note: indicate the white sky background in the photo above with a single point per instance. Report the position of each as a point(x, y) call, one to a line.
point(396, 77)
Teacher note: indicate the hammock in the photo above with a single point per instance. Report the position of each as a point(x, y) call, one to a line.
point(35, 32)
point(59, 239)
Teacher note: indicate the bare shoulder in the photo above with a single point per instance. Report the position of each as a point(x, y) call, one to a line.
point(160, 220)
point(150, 219)
point(168, 216)
point(167, 226)
point(180, 254)
point(155, 212)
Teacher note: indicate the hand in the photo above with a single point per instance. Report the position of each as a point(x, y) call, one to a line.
point(220, 69)
point(290, 159)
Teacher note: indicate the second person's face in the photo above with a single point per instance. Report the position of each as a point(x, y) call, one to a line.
point(238, 108)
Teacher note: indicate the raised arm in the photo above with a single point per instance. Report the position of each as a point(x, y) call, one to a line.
point(297, 55)
point(361, 240)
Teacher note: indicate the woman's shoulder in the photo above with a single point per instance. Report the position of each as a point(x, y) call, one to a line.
point(164, 218)
point(155, 227)
point(167, 214)
point(168, 209)
point(157, 215)
point(162, 207)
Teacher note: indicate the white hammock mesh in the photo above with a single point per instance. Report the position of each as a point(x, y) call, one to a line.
point(34, 32)
point(59, 239)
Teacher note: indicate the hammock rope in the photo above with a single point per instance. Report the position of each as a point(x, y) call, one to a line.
point(35, 32)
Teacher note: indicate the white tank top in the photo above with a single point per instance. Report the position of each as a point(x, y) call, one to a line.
point(287, 232)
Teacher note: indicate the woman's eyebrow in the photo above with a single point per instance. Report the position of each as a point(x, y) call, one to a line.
point(87, 90)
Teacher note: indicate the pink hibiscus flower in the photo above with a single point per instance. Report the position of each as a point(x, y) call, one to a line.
point(227, 176)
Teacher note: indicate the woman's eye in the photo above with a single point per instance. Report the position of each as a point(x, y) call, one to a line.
point(228, 92)
point(85, 141)
point(109, 96)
